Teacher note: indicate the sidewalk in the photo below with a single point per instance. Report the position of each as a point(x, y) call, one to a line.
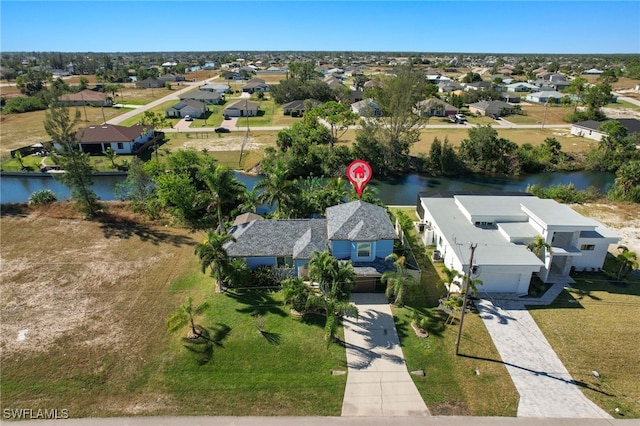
point(378, 383)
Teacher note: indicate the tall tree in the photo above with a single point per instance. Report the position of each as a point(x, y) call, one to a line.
point(213, 256)
point(223, 191)
point(277, 191)
point(78, 170)
point(339, 117)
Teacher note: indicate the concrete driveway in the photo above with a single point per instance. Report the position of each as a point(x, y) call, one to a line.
point(378, 383)
point(545, 386)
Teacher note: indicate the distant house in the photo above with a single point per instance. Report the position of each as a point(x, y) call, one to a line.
point(190, 107)
point(209, 98)
point(521, 87)
point(592, 71)
point(434, 107)
point(543, 97)
point(172, 78)
point(241, 108)
point(478, 85)
point(489, 108)
point(332, 81)
point(366, 108)
point(300, 106)
point(255, 85)
point(123, 140)
point(511, 98)
point(85, 98)
point(447, 87)
point(356, 231)
point(149, 83)
point(220, 88)
point(591, 129)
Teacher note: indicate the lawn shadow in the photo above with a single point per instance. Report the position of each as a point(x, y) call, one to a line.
point(220, 332)
point(113, 226)
point(272, 338)
point(540, 373)
point(587, 282)
point(15, 209)
point(259, 300)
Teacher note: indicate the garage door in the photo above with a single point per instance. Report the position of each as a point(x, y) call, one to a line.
point(499, 283)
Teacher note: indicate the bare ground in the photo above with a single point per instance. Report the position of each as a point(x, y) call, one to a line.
point(226, 143)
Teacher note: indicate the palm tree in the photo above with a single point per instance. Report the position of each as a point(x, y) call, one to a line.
point(450, 277)
point(398, 281)
point(628, 261)
point(539, 246)
point(222, 188)
point(111, 155)
point(184, 315)
point(334, 309)
point(277, 190)
point(296, 293)
point(322, 269)
point(213, 255)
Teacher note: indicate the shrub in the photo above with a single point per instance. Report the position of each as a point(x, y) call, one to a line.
point(24, 104)
point(42, 196)
point(264, 276)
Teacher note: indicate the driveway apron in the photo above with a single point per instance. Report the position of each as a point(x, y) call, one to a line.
point(545, 386)
point(378, 383)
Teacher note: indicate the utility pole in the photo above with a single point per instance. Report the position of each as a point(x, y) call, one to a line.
point(472, 246)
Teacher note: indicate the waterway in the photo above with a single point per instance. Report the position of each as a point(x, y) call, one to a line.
point(400, 191)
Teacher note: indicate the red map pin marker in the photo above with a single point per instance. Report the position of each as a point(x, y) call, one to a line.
point(359, 173)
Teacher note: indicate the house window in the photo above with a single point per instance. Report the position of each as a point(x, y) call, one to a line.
point(363, 250)
point(120, 145)
point(284, 262)
point(587, 247)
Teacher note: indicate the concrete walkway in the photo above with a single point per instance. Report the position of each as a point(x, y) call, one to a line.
point(378, 383)
point(545, 386)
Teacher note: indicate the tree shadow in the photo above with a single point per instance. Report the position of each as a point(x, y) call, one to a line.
point(15, 209)
point(220, 332)
point(114, 226)
point(540, 373)
point(203, 352)
point(260, 301)
point(272, 338)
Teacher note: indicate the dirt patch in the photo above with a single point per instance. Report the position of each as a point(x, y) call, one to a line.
point(450, 408)
point(614, 113)
point(223, 143)
point(624, 219)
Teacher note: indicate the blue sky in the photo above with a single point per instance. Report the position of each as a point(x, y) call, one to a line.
point(416, 26)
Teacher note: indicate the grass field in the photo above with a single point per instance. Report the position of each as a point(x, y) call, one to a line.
point(535, 114)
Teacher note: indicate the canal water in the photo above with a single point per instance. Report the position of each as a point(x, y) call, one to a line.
point(400, 191)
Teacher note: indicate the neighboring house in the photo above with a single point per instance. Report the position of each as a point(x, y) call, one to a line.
point(190, 107)
point(521, 87)
point(593, 71)
point(478, 85)
point(448, 87)
point(85, 98)
point(300, 106)
point(366, 108)
point(502, 226)
point(488, 108)
point(241, 108)
point(123, 140)
point(356, 231)
point(543, 97)
point(216, 87)
point(590, 128)
point(172, 78)
point(209, 98)
point(255, 85)
point(512, 98)
point(434, 107)
point(149, 83)
point(332, 81)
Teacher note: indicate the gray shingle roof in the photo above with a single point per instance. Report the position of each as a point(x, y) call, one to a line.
point(359, 221)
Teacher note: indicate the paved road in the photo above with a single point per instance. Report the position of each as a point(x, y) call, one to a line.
point(545, 386)
point(378, 383)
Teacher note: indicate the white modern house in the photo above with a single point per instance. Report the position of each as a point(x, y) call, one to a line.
point(501, 226)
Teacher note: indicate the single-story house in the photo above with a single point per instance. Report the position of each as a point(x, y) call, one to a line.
point(502, 226)
point(149, 83)
point(332, 81)
point(590, 128)
point(521, 87)
point(209, 98)
point(488, 108)
point(300, 106)
point(190, 107)
point(255, 85)
point(123, 140)
point(512, 98)
point(547, 96)
point(447, 87)
point(85, 98)
point(241, 108)
point(593, 71)
point(220, 88)
point(366, 108)
point(172, 78)
point(478, 85)
point(356, 231)
point(434, 107)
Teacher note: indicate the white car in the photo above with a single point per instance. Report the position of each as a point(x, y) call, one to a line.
point(188, 118)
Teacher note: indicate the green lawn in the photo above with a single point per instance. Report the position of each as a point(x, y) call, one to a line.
point(266, 111)
point(622, 104)
point(160, 108)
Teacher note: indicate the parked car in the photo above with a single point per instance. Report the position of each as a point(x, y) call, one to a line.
point(458, 118)
point(222, 130)
point(226, 117)
point(188, 118)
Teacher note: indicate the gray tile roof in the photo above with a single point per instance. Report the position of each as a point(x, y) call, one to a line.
point(359, 221)
point(268, 238)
